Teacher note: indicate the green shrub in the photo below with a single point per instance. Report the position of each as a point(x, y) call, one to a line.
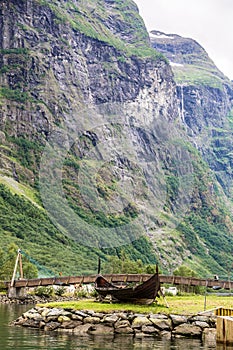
point(60, 291)
point(14, 95)
point(44, 291)
point(81, 293)
point(16, 51)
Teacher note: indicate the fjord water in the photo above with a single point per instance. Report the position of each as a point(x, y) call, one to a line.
point(19, 338)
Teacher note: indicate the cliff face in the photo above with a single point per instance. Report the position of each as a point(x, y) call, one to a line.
point(89, 114)
point(206, 100)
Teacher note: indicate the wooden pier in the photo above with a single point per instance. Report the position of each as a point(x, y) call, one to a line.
point(225, 330)
point(122, 278)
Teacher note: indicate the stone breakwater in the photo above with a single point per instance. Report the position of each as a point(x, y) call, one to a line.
point(33, 299)
point(139, 325)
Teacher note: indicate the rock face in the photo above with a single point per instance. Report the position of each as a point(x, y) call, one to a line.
point(206, 101)
point(81, 75)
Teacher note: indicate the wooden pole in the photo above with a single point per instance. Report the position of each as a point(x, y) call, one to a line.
point(163, 295)
point(99, 265)
point(20, 266)
point(15, 269)
point(206, 285)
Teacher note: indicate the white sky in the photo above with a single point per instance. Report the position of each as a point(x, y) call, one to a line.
point(210, 22)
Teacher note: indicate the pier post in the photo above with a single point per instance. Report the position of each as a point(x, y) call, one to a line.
point(225, 329)
point(17, 292)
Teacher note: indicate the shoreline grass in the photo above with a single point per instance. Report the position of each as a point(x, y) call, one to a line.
point(185, 305)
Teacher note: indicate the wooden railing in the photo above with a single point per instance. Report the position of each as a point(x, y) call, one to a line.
point(122, 278)
point(221, 311)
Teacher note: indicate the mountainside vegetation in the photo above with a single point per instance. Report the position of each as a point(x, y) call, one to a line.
point(80, 82)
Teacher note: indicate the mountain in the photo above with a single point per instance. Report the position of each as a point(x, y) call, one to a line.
point(96, 157)
point(206, 101)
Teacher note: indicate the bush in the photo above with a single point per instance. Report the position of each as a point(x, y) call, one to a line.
point(44, 291)
point(81, 293)
point(60, 291)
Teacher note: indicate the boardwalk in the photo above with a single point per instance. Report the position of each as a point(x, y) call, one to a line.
point(122, 278)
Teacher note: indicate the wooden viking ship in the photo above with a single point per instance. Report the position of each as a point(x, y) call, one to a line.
point(142, 293)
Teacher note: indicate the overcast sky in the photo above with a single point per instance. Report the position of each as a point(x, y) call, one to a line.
point(210, 22)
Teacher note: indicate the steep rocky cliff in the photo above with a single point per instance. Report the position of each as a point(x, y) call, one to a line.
point(206, 101)
point(90, 130)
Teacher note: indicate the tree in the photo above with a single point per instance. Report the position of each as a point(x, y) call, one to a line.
point(187, 272)
point(7, 263)
point(123, 264)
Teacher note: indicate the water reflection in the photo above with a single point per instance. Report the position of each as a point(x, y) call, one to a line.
point(19, 338)
point(224, 347)
point(33, 339)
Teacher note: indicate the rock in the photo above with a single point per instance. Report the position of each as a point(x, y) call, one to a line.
point(199, 319)
point(201, 324)
point(163, 324)
point(122, 315)
point(42, 324)
point(124, 330)
point(159, 316)
point(82, 329)
point(19, 322)
point(2, 137)
point(178, 319)
point(45, 312)
point(101, 329)
point(53, 313)
point(209, 336)
point(123, 327)
point(166, 335)
point(81, 313)
point(122, 323)
point(131, 317)
point(98, 314)
point(141, 321)
point(63, 319)
point(70, 324)
point(33, 314)
point(187, 330)
point(31, 323)
point(76, 317)
point(150, 330)
point(92, 320)
point(51, 326)
point(110, 320)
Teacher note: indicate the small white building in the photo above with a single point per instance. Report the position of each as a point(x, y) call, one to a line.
point(172, 291)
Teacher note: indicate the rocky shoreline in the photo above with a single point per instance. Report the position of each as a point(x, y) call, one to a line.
point(32, 299)
point(87, 322)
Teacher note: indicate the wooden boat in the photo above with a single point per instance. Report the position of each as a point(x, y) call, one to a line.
point(142, 293)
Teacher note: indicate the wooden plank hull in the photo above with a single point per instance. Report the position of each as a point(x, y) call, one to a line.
point(145, 292)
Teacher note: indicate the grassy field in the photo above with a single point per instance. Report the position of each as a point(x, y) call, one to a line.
point(186, 305)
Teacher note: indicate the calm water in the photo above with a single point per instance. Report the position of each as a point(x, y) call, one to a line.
point(18, 338)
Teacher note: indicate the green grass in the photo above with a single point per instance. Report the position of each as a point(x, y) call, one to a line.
point(91, 23)
point(193, 75)
point(20, 189)
point(15, 51)
point(15, 95)
point(185, 305)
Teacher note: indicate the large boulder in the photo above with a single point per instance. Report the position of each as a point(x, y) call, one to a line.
point(101, 329)
point(140, 321)
point(187, 330)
